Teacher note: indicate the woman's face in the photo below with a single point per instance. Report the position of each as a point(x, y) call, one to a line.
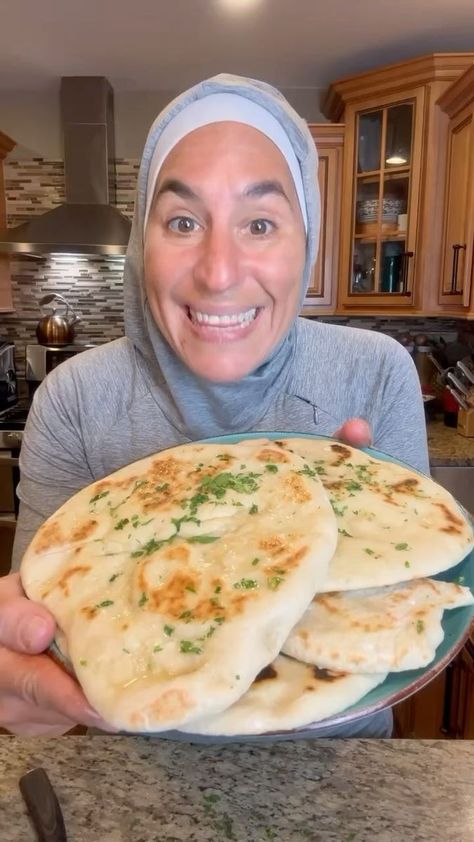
point(224, 250)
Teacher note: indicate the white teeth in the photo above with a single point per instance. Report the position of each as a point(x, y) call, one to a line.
point(240, 319)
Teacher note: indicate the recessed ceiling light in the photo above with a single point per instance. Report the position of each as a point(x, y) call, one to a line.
point(396, 159)
point(238, 5)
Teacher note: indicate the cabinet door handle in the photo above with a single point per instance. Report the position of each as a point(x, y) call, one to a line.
point(406, 255)
point(454, 271)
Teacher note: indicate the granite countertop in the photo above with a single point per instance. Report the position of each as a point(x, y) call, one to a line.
point(131, 789)
point(447, 447)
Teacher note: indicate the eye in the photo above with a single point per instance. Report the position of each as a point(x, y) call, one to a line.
point(183, 225)
point(261, 226)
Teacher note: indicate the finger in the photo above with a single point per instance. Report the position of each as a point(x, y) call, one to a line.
point(356, 432)
point(38, 681)
point(23, 719)
point(25, 626)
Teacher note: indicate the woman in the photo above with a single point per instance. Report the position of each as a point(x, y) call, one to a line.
point(222, 247)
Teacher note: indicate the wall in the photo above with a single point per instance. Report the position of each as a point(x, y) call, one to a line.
point(33, 119)
point(94, 286)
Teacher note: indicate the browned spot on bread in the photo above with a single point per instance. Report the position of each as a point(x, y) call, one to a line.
point(327, 603)
point(166, 469)
point(335, 656)
point(269, 454)
point(303, 634)
point(89, 612)
point(406, 486)
point(342, 452)
point(178, 553)
point(173, 596)
point(49, 535)
point(274, 544)
point(454, 524)
point(309, 689)
point(293, 559)
point(125, 626)
point(84, 530)
point(63, 582)
point(266, 674)
point(295, 489)
point(335, 484)
point(327, 675)
point(172, 704)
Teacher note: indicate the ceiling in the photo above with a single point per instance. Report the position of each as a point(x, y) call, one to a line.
point(150, 45)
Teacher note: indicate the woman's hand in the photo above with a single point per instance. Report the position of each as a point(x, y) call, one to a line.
point(36, 696)
point(355, 432)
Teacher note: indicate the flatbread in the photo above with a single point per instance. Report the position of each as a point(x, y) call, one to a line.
point(178, 578)
point(393, 628)
point(287, 695)
point(394, 524)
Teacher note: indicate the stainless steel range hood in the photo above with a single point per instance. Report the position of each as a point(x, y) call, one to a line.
point(87, 223)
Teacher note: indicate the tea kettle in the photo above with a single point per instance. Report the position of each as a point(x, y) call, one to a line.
point(56, 328)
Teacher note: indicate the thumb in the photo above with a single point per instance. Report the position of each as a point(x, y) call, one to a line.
point(24, 626)
point(356, 432)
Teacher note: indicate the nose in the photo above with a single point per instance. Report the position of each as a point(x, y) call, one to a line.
point(217, 266)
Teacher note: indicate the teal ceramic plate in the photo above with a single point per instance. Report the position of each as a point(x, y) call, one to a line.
point(397, 686)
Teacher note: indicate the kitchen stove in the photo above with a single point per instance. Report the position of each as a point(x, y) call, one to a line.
point(12, 424)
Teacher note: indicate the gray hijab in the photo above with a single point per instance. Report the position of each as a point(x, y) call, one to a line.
point(197, 407)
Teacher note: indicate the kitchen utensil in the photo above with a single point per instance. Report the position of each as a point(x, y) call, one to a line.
point(458, 384)
point(56, 328)
point(43, 806)
point(459, 398)
point(468, 372)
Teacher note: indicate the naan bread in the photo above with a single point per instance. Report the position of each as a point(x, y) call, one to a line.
point(393, 628)
point(394, 524)
point(287, 695)
point(178, 578)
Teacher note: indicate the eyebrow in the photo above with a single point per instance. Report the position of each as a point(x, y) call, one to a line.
point(252, 191)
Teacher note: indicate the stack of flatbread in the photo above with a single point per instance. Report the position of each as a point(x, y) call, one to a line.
point(247, 588)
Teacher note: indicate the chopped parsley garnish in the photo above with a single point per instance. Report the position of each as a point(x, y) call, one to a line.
point(218, 589)
point(188, 648)
point(202, 539)
point(185, 519)
point(238, 677)
point(338, 510)
point(271, 468)
point(352, 485)
point(157, 648)
point(150, 547)
point(402, 547)
point(123, 522)
point(407, 564)
point(83, 663)
point(99, 496)
point(274, 582)
point(253, 509)
point(190, 588)
point(105, 603)
point(368, 551)
point(219, 484)
point(187, 616)
point(143, 599)
point(420, 625)
point(219, 620)
point(168, 630)
point(255, 561)
point(127, 651)
point(162, 488)
point(114, 577)
point(344, 532)
point(246, 584)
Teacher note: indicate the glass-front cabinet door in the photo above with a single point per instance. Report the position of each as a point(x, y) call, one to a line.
point(382, 218)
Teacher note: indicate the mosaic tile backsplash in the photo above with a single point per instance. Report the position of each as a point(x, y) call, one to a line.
point(93, 286)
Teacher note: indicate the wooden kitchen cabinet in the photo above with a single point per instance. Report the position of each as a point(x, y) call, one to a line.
point(322, 291)
point(456, 283)
point(444, 709)
point(6, 303)
point(394, 162)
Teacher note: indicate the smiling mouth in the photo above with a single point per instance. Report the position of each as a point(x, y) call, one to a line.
point(241, 319)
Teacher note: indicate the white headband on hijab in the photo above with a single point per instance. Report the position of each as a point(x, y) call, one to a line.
point(218, 108)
